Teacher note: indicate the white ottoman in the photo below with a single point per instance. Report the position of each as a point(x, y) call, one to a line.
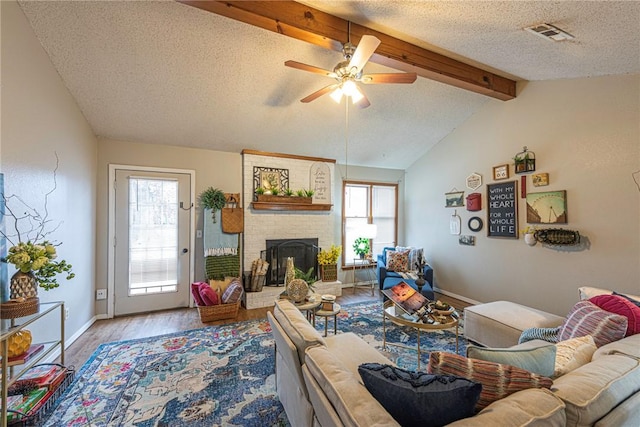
point(500, 323)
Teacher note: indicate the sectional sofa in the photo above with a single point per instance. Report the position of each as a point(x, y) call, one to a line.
point(318, 383)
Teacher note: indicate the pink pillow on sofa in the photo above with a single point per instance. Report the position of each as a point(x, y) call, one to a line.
point(208, 295)
point(586, 318)
point(619, 305)
point(195, 291)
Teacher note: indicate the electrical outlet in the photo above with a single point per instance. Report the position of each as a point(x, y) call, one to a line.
point(101, 294)
point(198, 234)
point(66, 314)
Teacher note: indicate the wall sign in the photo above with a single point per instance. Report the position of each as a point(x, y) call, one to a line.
point(320, 182)
point(502, 210)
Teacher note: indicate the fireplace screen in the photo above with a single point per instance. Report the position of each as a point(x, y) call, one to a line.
point(303, 251)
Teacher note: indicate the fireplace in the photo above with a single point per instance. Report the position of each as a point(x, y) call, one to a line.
point(303, 251)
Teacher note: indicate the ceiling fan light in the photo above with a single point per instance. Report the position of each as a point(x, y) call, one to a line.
point(349, 88)
point(336, 95)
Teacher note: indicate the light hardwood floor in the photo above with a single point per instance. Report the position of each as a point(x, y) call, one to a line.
point(168, 321)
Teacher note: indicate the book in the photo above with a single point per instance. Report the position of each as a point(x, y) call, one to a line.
point(26, 356)
point(24, 403)
point(46, 375)
point(407, 298)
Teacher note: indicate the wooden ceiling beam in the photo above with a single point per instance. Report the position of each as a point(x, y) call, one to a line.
point(322, 29)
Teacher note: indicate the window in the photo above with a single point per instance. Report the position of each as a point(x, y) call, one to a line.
point(368, 203)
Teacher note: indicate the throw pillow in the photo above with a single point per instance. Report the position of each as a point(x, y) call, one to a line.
point(539, 360)
point(414, 255)
point(233, 293)
point(195, 291)
point(208, 295)
point(545, 334)
point(586, 318)
point(418, 398)
point(398, 261)
point(622, 306)
point(498, 380)
point(573, 353)
point(634, 301)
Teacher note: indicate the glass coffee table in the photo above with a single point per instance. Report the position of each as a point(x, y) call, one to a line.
point(400, 317)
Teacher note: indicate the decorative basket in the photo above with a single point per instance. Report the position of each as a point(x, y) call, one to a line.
point(12, 309)
point(209, 313)
point(329, 273)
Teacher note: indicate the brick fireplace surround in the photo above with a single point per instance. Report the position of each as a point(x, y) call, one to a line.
point(263, 225)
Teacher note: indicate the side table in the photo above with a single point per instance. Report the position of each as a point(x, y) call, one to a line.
point(308, 307)
point(326, 314)
point(369, 267)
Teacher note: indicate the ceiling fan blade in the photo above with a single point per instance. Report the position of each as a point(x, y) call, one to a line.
point(366, 47)
point(379, 78)
point(319, 93)
point(309, 68)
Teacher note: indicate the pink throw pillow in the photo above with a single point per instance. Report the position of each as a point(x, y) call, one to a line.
point(195, 291)
point(586, 318)
point(619, 305)
point(208, 295)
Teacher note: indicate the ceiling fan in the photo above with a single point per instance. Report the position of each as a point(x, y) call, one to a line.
point(349, 71)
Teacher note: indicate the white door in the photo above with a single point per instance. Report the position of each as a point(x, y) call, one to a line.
point(151, 254)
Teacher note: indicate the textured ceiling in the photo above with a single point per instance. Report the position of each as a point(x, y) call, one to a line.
point(167, 73)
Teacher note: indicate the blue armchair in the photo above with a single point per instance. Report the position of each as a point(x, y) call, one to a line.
point(388, 279)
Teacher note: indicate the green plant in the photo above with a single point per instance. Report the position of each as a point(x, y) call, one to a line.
point(260, 191)
point(309, 276)
point(288, 192)
point(213, 199)
point(275, 191)
point(39, 259)
point(309, 193)
point(301, 193)
point(361, 246)
point(330, 256)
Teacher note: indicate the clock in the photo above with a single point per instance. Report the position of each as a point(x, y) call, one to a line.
point(548, 207)
point(500, 172)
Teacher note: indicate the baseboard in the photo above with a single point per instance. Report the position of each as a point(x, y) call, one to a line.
point(56, 353)
point(456, 296)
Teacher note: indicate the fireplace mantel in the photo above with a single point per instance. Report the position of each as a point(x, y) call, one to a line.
point(280, 206)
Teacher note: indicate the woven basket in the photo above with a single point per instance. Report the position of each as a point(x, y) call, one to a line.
point(209, 313)
point(329, 273)
point(11, 310)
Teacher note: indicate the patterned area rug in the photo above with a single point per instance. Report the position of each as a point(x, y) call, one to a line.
point(212, 376)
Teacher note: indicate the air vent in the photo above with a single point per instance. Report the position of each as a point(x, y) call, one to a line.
point(549, 32)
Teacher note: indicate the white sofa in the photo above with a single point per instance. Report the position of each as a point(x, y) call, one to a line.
point(318, 384)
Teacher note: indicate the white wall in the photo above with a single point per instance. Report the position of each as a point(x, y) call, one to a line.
point(586, 135)
point(40, 118)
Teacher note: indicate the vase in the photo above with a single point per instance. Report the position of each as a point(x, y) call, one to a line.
point(329, 273)
point(530, 239)
point(23, 285)
point(297, 290)
point(290, 272)
point(19, 343)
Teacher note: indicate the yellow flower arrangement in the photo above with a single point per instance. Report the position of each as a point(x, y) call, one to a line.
point(330, 256)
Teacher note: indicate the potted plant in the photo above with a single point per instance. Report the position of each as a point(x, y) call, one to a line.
point(213, 199)
point(361, 246)
point(309, 276)
point(530, 235)
point(328, 260)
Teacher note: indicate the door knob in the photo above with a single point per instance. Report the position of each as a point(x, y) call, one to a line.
point(185, 250)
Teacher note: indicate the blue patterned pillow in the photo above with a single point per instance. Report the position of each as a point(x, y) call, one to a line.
point(418, 398)
point(539, 360)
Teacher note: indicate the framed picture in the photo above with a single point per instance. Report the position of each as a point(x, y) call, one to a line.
point(454, 199)
point(474, 181)
point(502, 209)
point(270, 178)
point(501, 172)
point(467, 240)
point(540, 179)
point(547, 207)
